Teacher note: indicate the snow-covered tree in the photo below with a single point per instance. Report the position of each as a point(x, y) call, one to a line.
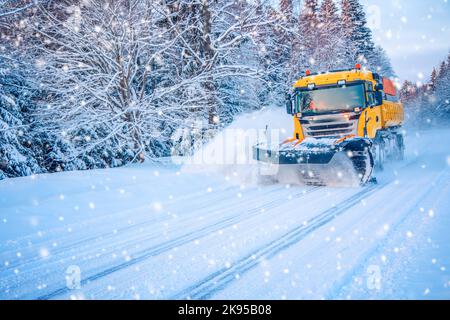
point(286, 9)
point(275, 53)
point(331, 46)
point(106, 71)
point(13, 7)
point(358, 36)
point(220, 54)
point(433, 79)
point(17, 93)
point(309, 30)
point(16, 156)
point(442, 92)
point(429, 103)
point(380, 62)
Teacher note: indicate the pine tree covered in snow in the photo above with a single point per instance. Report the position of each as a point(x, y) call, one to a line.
point(381, 63)
point(429, 103)
point(433, 79)
point(279, 49)
point(442, 91)
point(309, 30)
point(286, 9)
point(330, 40)
point(331, 47)
point(360, 46)
point(412, 98)
point(16, 156)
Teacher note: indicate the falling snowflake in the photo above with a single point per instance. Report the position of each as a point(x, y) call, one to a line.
point(44, 253)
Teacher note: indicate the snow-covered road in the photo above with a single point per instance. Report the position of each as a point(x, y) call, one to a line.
point(155, 232)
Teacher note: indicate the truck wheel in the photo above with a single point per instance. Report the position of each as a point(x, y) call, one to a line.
point(379, 155)
point(400, 147)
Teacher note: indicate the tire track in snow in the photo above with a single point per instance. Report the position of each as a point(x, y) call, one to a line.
point(129, 242)
point(220, 279)
point(114, 214)
point(438, 184)
point(179, 241)
point(105, 235)
point(217, 281)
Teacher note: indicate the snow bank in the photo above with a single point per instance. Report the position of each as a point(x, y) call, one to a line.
point(230, 152)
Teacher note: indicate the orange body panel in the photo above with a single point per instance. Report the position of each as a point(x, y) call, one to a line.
point(389, 87)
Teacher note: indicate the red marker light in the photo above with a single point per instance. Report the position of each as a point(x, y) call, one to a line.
point(308, 72)
point(358, 66)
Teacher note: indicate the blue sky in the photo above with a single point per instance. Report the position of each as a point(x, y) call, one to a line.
point(415, 33)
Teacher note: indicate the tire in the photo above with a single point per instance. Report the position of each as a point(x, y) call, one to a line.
point(400, 147)
point(379, 155)
point(362, 159)
point(365, 168)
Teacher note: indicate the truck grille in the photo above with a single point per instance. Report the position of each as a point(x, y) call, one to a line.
point(329, 126)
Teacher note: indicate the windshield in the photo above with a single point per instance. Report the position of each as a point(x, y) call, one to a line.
point(326, 100)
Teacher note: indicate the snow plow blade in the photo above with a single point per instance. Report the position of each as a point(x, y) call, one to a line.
point(319, 162)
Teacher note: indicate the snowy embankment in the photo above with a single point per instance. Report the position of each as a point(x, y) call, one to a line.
point(161, 231)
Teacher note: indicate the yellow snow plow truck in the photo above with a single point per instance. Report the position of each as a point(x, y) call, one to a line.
point(347, 122)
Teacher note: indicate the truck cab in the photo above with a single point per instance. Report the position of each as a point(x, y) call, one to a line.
point(343, 103)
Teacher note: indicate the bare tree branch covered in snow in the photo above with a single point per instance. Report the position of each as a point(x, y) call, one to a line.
point(107, 66)
point(10, 7)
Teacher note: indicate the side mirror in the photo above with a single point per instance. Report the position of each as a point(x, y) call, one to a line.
point(378, 95)
point(289, 105)
point(379, 87)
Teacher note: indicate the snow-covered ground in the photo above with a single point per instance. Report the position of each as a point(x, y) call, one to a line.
point(155, 231)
